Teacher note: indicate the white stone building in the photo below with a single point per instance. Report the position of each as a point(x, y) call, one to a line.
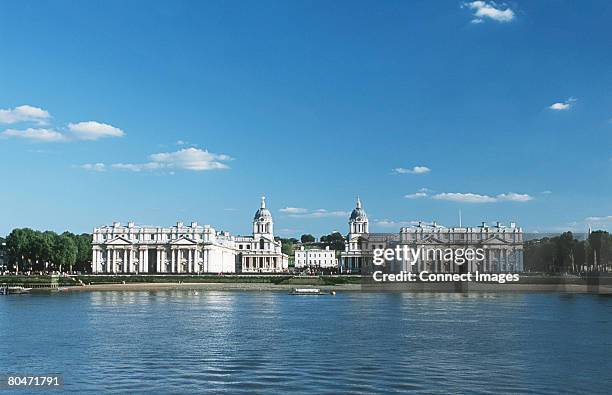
point(315, 258)
point(502, 245)
point(260, 253)
point(187, 249)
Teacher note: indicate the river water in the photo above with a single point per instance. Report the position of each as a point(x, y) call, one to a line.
point(271, 342)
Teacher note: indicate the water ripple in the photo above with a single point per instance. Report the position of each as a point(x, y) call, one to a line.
point(232, 342)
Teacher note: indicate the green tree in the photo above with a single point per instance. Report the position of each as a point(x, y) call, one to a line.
point(18, 248)
point(334, 240)
point(307, 238)
point(84, 252)
point(288, 246)
point(565, 252)
point(600, 254)
point(65, 252)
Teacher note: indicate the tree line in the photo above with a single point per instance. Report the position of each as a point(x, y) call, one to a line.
point(334, 240)
point(32, 250)
point(566, 254)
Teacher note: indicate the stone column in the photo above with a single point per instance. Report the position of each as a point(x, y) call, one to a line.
point(141, 261)
point(160, 260)
point(190, 260)
point(94, 260)
point(179, 260)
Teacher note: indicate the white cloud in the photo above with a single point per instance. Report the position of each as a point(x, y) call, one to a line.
point(24, 113)
point(416, 195)
point(464, 197)
point(192, 159)
point(99, 167)
point(136, 166)
point(421, 193)
point(513, 197)
point(414, 170)
point(387, 223)
point(187, 159)
point(35, 134)
point(293, 210)
point(92, 130)
point(599, 219)
point(561, 106)
point(476, 198)
point(490, 10)
point(298, 212)
point(546, 192)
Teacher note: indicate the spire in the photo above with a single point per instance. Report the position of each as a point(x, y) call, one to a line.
point(358, 202)
point(263, 202)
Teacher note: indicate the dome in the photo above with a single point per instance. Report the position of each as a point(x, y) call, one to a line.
point(263, 212)
point(358, 214)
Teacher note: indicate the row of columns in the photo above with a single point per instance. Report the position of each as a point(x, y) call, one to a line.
point(130, 260)
point(261, 264)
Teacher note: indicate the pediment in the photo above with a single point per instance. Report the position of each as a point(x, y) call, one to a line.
point(431, 240)
point(119, 241)
point(494, 240)
point(181, 241)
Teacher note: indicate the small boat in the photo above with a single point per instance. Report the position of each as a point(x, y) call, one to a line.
point(15, 290)
point(310, 291)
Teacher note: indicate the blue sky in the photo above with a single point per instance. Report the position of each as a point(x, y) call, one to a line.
point(164, 111)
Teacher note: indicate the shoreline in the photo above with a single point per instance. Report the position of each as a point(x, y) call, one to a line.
point(394, 288)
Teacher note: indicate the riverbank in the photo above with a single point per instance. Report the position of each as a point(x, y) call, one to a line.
point(411, 288)
point(285, 283)
point(203, 286)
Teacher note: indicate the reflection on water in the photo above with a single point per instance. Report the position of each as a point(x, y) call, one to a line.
point(190, 341)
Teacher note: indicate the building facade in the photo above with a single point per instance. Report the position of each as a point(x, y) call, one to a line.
point(501, 245)
point(261, 253)
point(187, 249)
point(315, 258)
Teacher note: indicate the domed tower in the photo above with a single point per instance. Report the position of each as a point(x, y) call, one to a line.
point(262, 222)
point(358, 223)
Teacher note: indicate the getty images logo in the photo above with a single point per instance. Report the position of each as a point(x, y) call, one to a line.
point(413, 255)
